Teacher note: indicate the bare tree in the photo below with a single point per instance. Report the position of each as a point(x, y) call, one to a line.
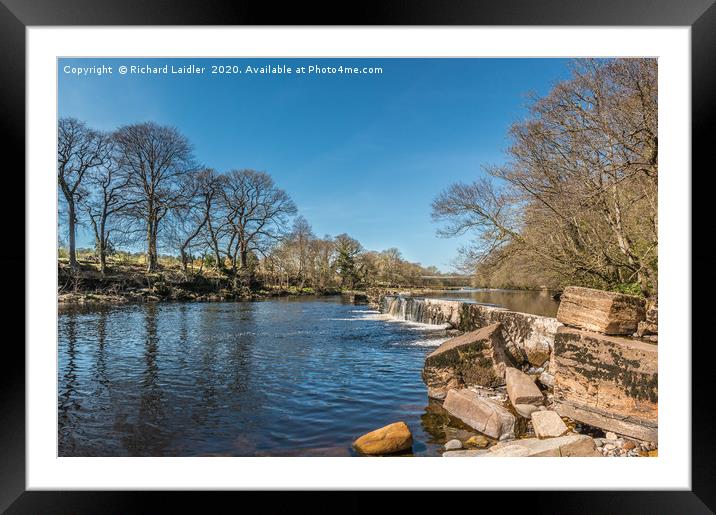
point(79, 150)
point(154, 159)
point(256, 215)
point(104, 205)
point(194, 211)
point(301, 237)
point(579, 193)
point(322, 253)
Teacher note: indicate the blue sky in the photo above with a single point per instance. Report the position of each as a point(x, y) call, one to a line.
point(362, 154)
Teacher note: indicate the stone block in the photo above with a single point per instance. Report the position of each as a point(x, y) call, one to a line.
point(606, 382)
point(476, 358)
point(482, 414)
point(601, 311)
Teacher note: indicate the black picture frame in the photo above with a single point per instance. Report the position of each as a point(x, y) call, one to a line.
point(17, 15)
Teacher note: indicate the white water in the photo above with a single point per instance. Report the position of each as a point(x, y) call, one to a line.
point(431, 312)
point(434, 333)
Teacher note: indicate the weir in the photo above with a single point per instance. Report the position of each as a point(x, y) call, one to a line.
point(529, 338)
point(422, 310)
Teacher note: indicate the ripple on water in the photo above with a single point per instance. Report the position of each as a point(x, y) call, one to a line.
point(275, 378)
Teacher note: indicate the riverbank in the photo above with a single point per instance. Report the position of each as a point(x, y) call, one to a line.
point(130, 283)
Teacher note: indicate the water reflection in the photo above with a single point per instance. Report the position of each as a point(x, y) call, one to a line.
point(69, 404)
point(540, 302)
point(281, 378)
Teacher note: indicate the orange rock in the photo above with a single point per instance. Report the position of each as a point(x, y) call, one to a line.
point(601, 311)
point(390, 439)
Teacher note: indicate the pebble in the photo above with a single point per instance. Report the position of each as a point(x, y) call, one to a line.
point(453, 445)
point(609, 447)
point(611, 436)
point(629, 445)
point(478, 441)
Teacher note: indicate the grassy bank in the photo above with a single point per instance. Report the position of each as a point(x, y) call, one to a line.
point(127, 281)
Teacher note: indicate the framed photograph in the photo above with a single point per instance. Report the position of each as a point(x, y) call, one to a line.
point(425, 249)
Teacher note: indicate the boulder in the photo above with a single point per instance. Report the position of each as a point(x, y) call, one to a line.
point(548, 424)
point(456, 433)
point(563, 446)
point(521, 388)
point(478, 441)
point(546, 379)
point(606, 382)
point(390, 439)
point(525, 410)
point(484, 415)
point(453, 445)
point(601, 311)
point(475, 358)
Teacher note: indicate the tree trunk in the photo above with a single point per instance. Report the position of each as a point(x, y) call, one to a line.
point(102, 249)
point(102, 260)
point(184, 261)
point(72, 250)
point(244, 271)
point(151, 246)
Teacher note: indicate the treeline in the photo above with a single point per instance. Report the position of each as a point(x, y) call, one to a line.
point(576, 203)
point(141, 185)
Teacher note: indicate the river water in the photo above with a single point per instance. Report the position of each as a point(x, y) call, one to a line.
point(284, 377)
point(525, 301)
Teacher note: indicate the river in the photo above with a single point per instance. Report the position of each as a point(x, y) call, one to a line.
point(299, 376)
point(540, 302)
